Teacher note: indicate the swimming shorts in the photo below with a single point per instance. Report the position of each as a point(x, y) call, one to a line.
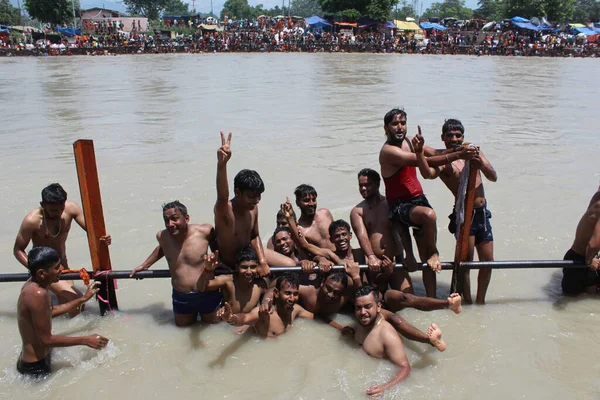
point(480, 225)
point(399, 211)
point(196, 302)
point(575, 280)
point(38, 369)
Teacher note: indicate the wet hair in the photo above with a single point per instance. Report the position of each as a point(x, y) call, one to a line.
point(339, 276)
point(365, 291)
point(281, 229)
point(392, 113)
point(281, 216)
point(41, 258)
point(175, 204)
point(371, 174)
point(248, 179)
point(54, 194)
point(304, 190)
point(245, 254)
point(289, 277)
point(452, 125)
point(335, 225)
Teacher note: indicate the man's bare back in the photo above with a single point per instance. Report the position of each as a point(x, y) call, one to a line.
point(588, 231)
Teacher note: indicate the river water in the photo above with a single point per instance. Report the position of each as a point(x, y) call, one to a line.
point(317, 119)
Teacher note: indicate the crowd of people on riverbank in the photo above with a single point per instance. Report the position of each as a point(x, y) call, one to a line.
point(110, 40)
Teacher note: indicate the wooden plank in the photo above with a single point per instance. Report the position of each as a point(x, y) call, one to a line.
point(89, 186)
point(461, 251)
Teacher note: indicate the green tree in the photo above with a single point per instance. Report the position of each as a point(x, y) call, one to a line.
point(405, 10)
point(306, 8)
point(151, 9)
point(55, 12)
point(176, 7)
point(237, 8)
point(449, 8)
point(586, 11)
point(490, 10)
point(9, 15)
point(337, 6)
point(524, 8)
point(380, 9)
point(350, 14)
point(559, 10)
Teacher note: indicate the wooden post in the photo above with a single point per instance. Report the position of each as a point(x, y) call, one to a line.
point(461, 251)
point(87, 174)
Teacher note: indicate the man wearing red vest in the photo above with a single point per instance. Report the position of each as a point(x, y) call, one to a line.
point(407, 204)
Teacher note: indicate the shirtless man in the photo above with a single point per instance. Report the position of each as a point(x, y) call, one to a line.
point(242, 290)
point(35, 313)
point(236, 220)
point(280, 222)
point(333, 295)
point(276, 315)
point(372, 228)
point(184, 245)
point(313, 222)
point(407, 204)
point(377, 337)
point(49, 226)
point(284, 244)
point(481, 238)
point(585, 249)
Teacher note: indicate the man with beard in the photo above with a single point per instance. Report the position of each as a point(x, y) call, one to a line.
point(314, 223)
point(376, 336)
point(185, 246)
point(407, 204)
point(276, 315)
point(333, 294)
point(236, 220)
point(49, 225)
point(35, 313)
point(481, 237)
point(585, 248)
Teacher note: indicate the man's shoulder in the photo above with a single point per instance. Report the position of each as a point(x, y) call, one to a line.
point(71, 208)
point(33, 218)
point(324, 213)
point(205, 229)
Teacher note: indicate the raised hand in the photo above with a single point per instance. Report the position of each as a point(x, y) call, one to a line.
point(224, 152)
point(266, 309)
point(211, 261)
point(418, 141)
point(91, 290)
point(286, 208)
point(468, 152)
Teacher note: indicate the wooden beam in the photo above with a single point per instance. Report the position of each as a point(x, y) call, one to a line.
point(461, 251)
point(89, 186)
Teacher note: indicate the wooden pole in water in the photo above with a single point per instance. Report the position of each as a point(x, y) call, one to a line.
point(89, 186)
point(461, 252)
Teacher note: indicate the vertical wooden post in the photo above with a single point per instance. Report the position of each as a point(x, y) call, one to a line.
point(89, 186)
point(461, 251)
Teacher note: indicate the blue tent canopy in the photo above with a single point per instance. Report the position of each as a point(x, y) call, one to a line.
point(519, 19)
point(390, 25)
point(317, 22)
point(433, 25)
point(526, 24)
point(586, 30)
point(69, 31)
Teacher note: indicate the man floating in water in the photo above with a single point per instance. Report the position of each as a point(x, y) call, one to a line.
point(585, 249)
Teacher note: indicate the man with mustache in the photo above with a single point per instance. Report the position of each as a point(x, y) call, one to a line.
point(185, 246)
point(49, 225)
point(313, 222)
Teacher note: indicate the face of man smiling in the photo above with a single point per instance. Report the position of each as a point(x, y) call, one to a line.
point(341, 239)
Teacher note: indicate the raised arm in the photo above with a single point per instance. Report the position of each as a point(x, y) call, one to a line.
point(485, 167)
point(76, 303)
point(394, 351)
point(223, 156)
point(239, 319)
point(301, 241)
point(426, 171)
point(22, 241)
point(207, 281)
